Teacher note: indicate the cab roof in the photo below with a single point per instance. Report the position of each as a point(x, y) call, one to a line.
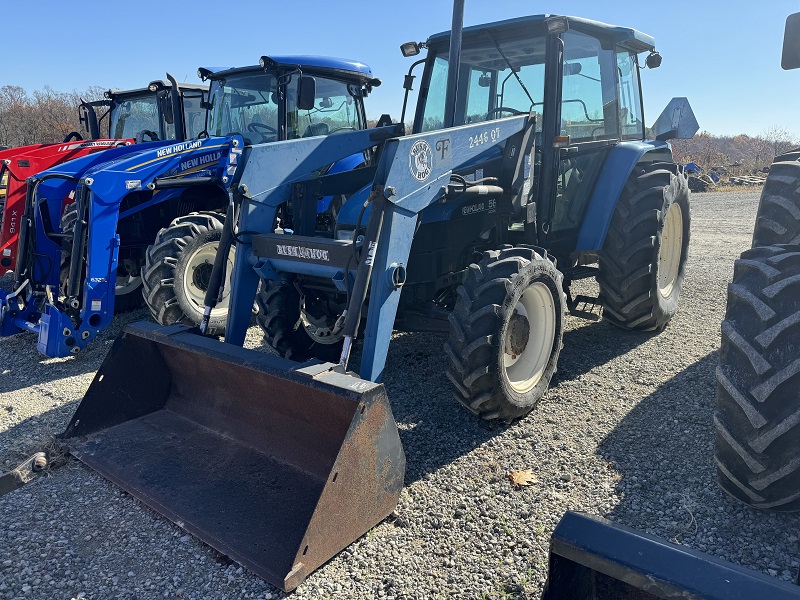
point(164, 84)
point(624, 36)
point(340, 67)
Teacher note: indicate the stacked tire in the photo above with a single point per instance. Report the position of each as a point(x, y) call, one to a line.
point(757, 421)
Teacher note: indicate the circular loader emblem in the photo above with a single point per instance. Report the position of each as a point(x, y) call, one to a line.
point(421, 160)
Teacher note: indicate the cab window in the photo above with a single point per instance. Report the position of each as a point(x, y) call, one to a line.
point(337, 109)
point(589, 109)
point(630, 99)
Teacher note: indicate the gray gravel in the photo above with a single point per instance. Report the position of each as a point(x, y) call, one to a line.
point(625, 432)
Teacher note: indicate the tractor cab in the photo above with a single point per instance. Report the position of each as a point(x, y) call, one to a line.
point(148, 114)
point(581, 80)
point(287, 97)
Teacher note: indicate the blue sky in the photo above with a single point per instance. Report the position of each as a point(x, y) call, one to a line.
point(724, 56)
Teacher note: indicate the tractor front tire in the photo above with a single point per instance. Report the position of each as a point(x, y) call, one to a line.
point(177, 270)
point(290, 332)
point(643, 260)
point(757, 421)
point(778, 220)
point(506, 333)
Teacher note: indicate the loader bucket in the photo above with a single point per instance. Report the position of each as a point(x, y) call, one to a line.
point(277, 465)
point(594, 559)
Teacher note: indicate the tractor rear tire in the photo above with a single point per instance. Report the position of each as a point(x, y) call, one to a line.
point(757, 421)
point(128, 289)
point(500, 362)
point(177, 269)
point(778, 220)
point(288, 331)
point(643, 260)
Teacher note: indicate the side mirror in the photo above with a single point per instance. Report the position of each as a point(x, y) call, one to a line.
point(306, 92)
point(653, 60)
point(485, 80)
point(572, 68)
point(791, 43)
point(677, 121)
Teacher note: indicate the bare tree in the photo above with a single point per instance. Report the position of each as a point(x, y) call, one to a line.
point(780, 139)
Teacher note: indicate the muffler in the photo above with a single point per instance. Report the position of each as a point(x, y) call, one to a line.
point(277, 465)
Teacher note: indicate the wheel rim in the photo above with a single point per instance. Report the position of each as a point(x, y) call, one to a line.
point(197, 276)
point(127, 284)
point(319, 329)
point(528, 339)
point(669, 253)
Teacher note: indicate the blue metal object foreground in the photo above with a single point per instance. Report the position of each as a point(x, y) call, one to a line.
point(164, 170)
point(594, 559)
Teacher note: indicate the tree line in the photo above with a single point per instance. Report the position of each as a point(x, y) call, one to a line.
point(737, 154)
point(40, 117)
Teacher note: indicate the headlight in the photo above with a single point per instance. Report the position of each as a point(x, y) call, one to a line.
point(345, 234)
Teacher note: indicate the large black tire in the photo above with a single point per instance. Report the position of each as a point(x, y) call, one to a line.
point(174, 285)
point(757, 421)
point(778, 220)
point(128, 294)
point(484, 332)
point(279, 316)
point(640, 286)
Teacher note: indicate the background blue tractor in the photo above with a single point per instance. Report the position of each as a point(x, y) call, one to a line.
point(284, 98)
point(473, 224)
point(101, 240)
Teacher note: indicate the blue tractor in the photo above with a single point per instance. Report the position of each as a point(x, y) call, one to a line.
point(527, 169)
point(283, 98)
point(64, 236)
point(94, 255)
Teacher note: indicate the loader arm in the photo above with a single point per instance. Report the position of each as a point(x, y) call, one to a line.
point(413, 172)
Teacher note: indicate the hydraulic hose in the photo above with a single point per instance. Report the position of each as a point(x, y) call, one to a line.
point(361, 285)
point(218, 271)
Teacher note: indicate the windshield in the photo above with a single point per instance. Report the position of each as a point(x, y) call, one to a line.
point(131, 115)
point(500, 78)
point(337, 108)
point(246, 104)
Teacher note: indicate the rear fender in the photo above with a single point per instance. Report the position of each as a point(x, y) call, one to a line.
point(617, 169)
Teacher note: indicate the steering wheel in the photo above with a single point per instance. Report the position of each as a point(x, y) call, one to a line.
point(260, 128)
point(342, 129)
point(501, 109)
point(146, 132)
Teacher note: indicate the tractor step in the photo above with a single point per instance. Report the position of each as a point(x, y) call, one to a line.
point(584, 307)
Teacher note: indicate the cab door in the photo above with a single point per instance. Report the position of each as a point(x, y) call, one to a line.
point(589, 127)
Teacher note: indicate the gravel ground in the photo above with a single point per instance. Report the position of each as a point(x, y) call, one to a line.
point(625, 432)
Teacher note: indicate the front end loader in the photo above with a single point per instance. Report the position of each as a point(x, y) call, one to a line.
point(16, 165)
point(69, 274)
point(474, 224)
